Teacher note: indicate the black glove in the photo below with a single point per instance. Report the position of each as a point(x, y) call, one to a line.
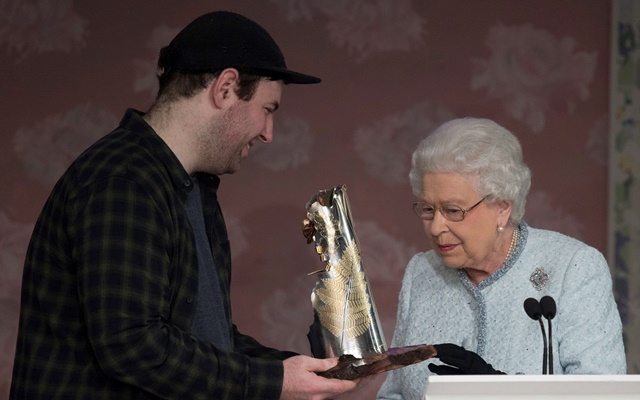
point(463, 362)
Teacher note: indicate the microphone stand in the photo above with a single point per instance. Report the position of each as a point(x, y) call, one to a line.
point(544, 354)
point(548, 306)
point(550, 350)
point(534, 311)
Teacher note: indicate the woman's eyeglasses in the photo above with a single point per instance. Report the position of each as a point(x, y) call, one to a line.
point(451, 212)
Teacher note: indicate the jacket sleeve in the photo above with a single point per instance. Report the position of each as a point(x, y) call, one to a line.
point(252, 348)
point(588, 321)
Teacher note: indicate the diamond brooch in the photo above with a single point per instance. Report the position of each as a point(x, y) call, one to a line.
point(539, 278)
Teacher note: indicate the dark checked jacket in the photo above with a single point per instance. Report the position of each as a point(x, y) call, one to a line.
point(110, 285)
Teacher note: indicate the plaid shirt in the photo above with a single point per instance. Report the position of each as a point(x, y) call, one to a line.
point(110, 285)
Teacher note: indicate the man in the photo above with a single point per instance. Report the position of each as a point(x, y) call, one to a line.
point(126, 281)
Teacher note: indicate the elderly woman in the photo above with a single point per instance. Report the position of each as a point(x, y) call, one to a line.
point(468, 291)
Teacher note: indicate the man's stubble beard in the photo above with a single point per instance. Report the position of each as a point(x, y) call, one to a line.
point(219, 143)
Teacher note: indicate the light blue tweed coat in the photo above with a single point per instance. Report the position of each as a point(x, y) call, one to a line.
point(439, 304)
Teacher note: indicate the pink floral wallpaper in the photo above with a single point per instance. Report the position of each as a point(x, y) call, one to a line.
point(392, 70)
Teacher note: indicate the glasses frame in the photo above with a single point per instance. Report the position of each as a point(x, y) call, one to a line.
point(439, 208)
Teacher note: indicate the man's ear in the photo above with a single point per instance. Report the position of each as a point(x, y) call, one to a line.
point(223, 88)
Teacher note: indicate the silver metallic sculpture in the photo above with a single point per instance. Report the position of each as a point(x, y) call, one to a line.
point(345, 316)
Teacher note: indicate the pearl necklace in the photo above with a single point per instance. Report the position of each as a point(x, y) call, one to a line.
point(514, 241)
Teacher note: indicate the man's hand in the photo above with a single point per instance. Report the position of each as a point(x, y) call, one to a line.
point(302, 382)
point(461, 361)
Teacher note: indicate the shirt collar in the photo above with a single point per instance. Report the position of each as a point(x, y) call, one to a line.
point(133, 121)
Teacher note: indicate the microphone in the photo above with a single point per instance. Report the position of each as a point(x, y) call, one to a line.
point(534, 310)
point(548, 306)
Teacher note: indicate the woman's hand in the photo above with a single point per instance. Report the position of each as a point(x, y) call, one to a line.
point(461, 362)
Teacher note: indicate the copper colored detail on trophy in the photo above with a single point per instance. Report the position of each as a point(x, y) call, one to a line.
point(308, 230)
point(351, 368)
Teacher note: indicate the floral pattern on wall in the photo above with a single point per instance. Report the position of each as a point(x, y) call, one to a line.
point(386, 145)
point(531, 71)
point(31, 27)
point(363, 27)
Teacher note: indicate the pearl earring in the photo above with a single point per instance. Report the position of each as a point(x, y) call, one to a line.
point(501, 229)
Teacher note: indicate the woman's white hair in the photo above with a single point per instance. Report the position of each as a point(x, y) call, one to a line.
point(480, 150)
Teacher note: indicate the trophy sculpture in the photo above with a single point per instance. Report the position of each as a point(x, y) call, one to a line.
point(346, 323)
point(345, 316)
